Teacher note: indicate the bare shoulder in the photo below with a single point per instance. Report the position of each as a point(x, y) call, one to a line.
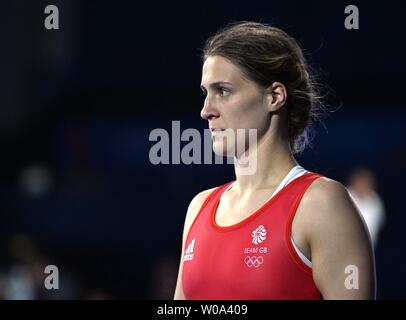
point(194, 208)
point(325, 191)
point(328, 199)
point(328, 210)
point(198, 201)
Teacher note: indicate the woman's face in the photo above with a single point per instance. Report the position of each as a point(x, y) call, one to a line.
point(232, 102)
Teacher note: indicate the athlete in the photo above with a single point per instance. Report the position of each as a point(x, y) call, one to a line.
point(280, 232)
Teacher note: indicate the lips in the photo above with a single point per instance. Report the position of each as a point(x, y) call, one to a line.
point(216, 129)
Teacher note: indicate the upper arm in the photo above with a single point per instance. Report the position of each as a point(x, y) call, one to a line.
point(342, 256)
point(191, 213)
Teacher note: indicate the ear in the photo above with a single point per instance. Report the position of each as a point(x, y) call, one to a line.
point(276, 96)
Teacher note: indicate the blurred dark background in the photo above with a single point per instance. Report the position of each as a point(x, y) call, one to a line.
point(77, 105)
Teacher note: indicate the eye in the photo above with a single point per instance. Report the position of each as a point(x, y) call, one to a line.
point(223, 92)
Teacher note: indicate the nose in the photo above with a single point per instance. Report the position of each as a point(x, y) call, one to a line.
point(208, 110)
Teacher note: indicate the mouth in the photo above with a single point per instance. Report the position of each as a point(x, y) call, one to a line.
point(216, 130)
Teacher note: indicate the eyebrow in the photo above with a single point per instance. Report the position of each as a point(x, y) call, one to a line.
point(215, 84)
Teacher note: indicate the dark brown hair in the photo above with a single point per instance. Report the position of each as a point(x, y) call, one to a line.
point(267, 54)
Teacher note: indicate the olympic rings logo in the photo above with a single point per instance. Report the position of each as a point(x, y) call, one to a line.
point(253, 261)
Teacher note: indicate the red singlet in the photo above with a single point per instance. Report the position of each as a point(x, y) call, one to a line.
point(253, 259)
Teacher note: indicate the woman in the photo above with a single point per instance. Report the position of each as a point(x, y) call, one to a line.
point(281, 232)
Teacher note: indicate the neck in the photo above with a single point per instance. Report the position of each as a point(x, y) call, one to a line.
point(274, 161)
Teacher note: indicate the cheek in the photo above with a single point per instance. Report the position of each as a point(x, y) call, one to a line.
point(249, 112)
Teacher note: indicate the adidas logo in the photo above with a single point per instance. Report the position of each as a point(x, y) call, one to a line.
point(189, 251)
